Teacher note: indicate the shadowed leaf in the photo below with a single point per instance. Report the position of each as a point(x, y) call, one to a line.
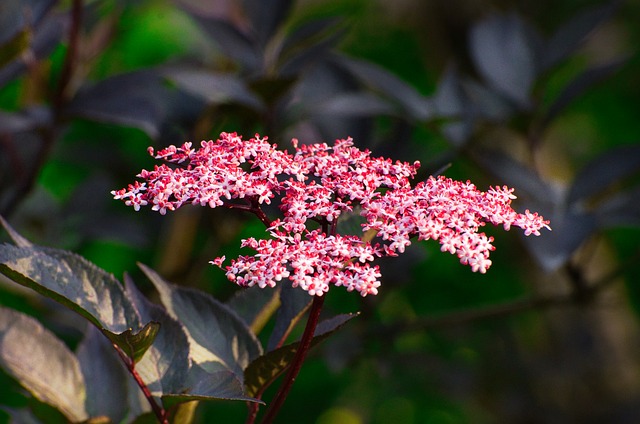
point(255, 306)
point(606, 170)
point(265, 369)
point(42, 364)
point(571, 34)
point(505, 56)
point(219, 339)
point(293, 304)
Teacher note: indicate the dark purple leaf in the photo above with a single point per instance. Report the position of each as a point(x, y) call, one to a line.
point(352, 104)
point(265, 369)
point(514, 174)
point(105, 378)
point(504, 54)
point(233, 42)
point(379, 79)
point(140, 99)
point(293, 304)
point(18, 15)
point(217, 336)
point(213, 87)
point(572, 33)
point(577, 87)
point(255, 306)
point(620, 209)
point(570, 229)
point(308, 44)
point(266, 17)
point(610, 168)
point(46, 36)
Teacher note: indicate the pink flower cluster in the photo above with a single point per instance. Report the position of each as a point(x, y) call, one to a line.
point(314, 187)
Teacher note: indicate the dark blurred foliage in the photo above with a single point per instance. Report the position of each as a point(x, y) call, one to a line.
point(539, 95)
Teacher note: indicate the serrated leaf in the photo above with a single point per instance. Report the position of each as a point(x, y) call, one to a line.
point(505, 56)
point(165, 366)
point(266, 368)
point(42, 364)
point(293, 304)
point(412, 102)
point(607, 169)
point(571, 34)
point(255, 306)
point(219, 339)
point(214, 87)
point(72, 281)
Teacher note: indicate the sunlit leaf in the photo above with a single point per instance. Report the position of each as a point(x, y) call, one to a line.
point(42, 364)
point(165, 366)
point(72, 281)
point(219, 339)
point(265, 369)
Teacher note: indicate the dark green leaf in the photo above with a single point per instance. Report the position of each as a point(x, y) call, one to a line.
point(505, 56)
point(265, 369)
point(219, 339)
point(606, 170)
point(572, 33)
point(296, 60)
point(42, 364)
point(255, 306)
point(293, 304)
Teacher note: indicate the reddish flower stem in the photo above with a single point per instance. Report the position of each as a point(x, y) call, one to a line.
point(158, 410)
point(298, 359)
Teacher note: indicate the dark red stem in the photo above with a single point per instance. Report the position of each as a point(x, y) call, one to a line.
point(298, 359)
point(158, 410)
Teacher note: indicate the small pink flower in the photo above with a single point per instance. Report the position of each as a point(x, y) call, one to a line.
point(313, 187)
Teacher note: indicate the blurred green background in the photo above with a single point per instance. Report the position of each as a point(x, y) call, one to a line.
point(525, 343)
